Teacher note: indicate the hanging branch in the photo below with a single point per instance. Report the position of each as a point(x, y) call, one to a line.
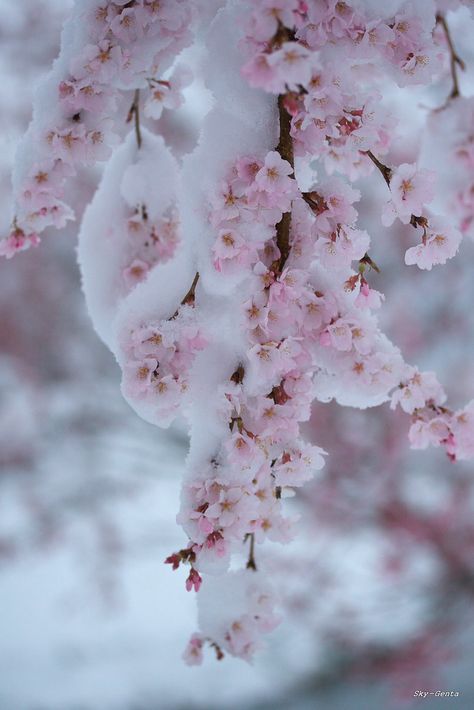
point(454, 59)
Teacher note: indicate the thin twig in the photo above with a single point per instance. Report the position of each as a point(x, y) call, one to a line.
point(454, 60)
point(251, 564)
point(134, 112)
point(384, 169)
point(188, 300)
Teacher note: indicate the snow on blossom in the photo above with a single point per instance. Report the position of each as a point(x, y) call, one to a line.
point(238, 627)
point(99, 56)
point(157, 357)
point(193, 655)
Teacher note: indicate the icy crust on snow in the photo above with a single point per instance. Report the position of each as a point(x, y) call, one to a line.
point(133, 179)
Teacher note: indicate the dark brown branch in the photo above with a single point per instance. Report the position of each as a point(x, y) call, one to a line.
point(188, 300)
point(238, 375)
point(285, 143)
point(384, 169)
point(454, 59)
point(285, 149)
point(135, 113)
point(251, 564)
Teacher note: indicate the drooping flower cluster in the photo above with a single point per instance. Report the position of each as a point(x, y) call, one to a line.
point(411, 189)
point(108, 48)
point(433, 424)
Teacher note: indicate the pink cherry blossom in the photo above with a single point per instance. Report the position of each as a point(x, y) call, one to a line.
point(193, 655)
point(440, 244)
point(411, 190)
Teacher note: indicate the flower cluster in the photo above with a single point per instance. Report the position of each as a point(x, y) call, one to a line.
point(109, 47)
point(237, 628)
point(151, 241)
point(159, 356)
point(433, 424)
point(337, 116)
point(336, 113)
point(252, 200)
point(411, 189)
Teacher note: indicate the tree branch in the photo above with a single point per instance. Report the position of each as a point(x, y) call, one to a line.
point(189, 298)
point(251, 564)
point(135, 112)
point(285, 149)
point(384, 169)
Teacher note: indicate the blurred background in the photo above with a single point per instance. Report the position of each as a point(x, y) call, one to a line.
point(377, 588)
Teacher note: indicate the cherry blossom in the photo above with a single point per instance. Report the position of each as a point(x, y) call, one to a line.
point(411, 190)
point(440, 244)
